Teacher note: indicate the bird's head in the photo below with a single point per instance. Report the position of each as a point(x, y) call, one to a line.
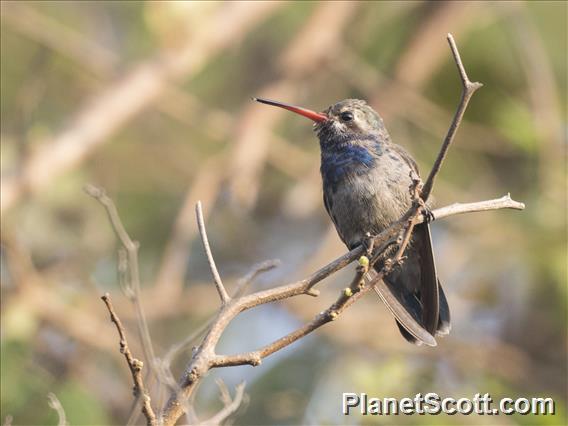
point(347, 120)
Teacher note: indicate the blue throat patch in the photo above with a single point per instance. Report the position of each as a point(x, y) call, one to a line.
point(339, 162)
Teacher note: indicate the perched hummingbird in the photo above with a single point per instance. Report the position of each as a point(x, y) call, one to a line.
point(366, 187)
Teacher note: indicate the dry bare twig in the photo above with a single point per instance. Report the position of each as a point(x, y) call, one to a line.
point(55, 404)
point(225, 298)
point(231, 405)
point(242, 285)
point(134, 364)
point(129, 281)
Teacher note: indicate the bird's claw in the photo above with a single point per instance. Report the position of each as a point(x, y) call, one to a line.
point(428, 215)
point(368, 244)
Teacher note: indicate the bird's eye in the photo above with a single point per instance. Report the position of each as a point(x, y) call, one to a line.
point(346, 116)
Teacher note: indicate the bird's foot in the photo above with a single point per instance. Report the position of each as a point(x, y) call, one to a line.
point(427, 214)
point(368, 244)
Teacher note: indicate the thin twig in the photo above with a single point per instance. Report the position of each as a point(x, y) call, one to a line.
point(56, 405)
point(134, 364)
point(225, 298)
point(468, 89)
point(132, 285)
point(244, 282)
point(242, 285)
point(231, 405)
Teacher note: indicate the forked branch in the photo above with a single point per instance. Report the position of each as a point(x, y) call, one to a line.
point(468, 89)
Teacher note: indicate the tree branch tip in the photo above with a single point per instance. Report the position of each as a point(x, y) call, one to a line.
point(94, 191)
point(313, 292)
point(517, 205)
point(364, 261)
point(347, 292)
point(270, 264)
point(223, 295)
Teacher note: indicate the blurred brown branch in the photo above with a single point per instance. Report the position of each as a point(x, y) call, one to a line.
point(127, 97)
point(315, 45)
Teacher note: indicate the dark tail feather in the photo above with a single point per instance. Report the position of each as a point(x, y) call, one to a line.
point(406, 311)
point(429, 293)
point(444, 321)
point(420, 308)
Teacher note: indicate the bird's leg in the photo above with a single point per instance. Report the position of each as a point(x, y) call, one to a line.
point(368, 244)
point(416, 193)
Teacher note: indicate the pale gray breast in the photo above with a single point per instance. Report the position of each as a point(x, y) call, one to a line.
point(368, 203)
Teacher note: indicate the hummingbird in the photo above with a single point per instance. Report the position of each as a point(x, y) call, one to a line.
point(366, 187)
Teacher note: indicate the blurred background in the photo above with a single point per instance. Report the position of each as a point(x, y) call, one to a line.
point(151, 100)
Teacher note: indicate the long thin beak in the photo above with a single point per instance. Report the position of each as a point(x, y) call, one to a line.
point(312, 115)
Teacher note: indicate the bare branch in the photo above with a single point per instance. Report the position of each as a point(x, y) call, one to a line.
point(504, 202)
point(241, 286)
point(349, 295)
point(225, 298)
point(134, 364)
point(255, 358)
point(468, 89)
point(205, 358)
point(56, 405)
point(256, 270)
